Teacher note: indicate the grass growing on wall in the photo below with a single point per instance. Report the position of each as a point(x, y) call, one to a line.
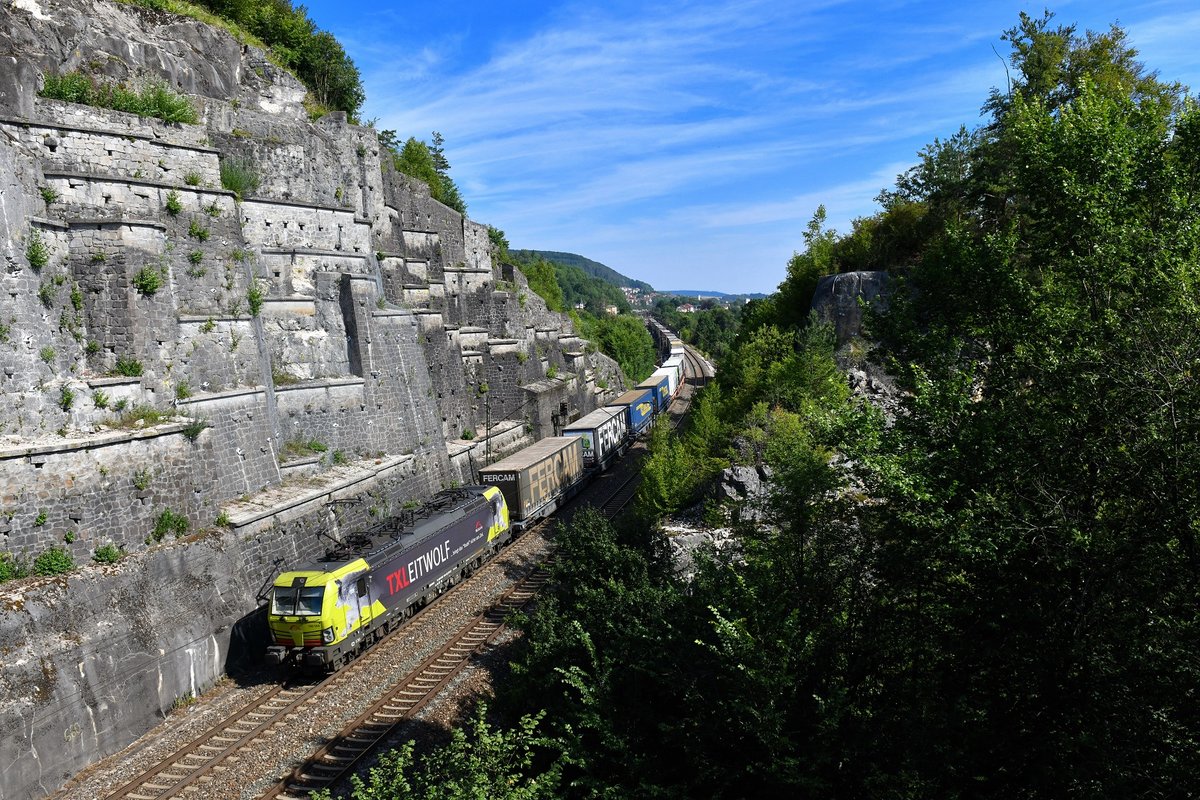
point(289, 39)
point(155, 100)
point(239, 177)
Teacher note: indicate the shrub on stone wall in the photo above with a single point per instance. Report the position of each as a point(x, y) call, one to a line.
point(155, 100)
point(194, 428)
point(148, 280)
point(11, 568)
point(54, 561)
point(254, 297)
point(36, 250)
point(108, 554)
point(198, 231)
point(169, 522)
point(129, 367)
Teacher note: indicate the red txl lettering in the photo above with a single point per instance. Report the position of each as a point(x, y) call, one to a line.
point(398, 580)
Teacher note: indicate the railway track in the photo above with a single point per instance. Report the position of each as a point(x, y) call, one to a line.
point(287, 703)
point(699, 368)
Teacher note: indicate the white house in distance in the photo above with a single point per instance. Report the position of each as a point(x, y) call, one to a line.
point(686, 308)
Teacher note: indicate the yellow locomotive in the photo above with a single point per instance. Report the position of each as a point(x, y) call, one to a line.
point(322, 614)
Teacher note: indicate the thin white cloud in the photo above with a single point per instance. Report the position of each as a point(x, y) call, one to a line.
point(702, 132)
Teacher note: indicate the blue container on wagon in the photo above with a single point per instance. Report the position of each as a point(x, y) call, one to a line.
point(661, 387)
point(639, 408)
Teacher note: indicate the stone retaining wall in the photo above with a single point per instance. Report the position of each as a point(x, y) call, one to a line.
point(96, 657)
point(336, 304)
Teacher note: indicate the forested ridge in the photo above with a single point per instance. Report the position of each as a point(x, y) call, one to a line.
point(623, 336)
point(993, 594)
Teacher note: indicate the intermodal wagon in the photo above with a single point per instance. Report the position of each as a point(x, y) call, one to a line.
point(538, 479)
point(602, 434)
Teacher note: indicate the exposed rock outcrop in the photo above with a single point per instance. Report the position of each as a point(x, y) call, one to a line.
point(842, 300)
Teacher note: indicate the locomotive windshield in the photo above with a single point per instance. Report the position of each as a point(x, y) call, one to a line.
point(290, 601)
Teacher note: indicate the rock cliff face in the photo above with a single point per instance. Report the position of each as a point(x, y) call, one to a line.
point(313, 353)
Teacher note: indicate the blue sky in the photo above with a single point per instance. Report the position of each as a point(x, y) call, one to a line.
point(688, 144)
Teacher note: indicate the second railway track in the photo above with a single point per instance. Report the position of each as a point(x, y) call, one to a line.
point(205, 764)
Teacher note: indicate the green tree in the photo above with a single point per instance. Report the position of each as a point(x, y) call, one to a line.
point(543, 280)
point(416, 159)
point(793, 301)
point(1052, 64)
point(479, 761)
point(627, 341)
point(317, 58)
point(1041, 513)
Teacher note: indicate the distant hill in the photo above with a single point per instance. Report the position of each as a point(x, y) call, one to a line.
point(703, 293)
point(595, 268)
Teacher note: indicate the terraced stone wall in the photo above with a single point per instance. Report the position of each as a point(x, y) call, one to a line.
point(275, 366)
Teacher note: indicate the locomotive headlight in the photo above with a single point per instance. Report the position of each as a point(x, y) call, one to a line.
point(327, 635)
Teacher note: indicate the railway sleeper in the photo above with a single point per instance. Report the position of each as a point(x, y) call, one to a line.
point(321, 772)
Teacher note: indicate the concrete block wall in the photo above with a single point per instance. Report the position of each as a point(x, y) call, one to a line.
point(306, 337)
point(107, 488)
point(61, 146)
point(329, 163)
point(279, 225)
point(39, 348)
point(98, 656)
point(92, 118)
point(107, 256)
point(240, 443)
point(477, 246)
point(294, 272)
point(213, 354)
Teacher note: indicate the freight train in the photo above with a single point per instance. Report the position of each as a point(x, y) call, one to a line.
point(323, 613)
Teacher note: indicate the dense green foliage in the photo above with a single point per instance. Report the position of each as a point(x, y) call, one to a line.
point(11, 568)
point(478, 762)
point(622, 337)
point(543, 281)
point(712, 327)
point(564, 286)
point(427, 163)
point(108, 553)
point(54, 561)
point(155, 100)
point(316, 57)
point(993, 595)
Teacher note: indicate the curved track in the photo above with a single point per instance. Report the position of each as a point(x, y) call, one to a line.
point(285, 703)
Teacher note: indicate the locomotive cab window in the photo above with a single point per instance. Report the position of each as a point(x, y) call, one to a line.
point(293, 602)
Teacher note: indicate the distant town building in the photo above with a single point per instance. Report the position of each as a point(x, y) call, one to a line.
point(687, 308)
point(612, 311)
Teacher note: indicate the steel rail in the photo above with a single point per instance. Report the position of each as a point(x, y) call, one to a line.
point(240, 729)
point(404, 700)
